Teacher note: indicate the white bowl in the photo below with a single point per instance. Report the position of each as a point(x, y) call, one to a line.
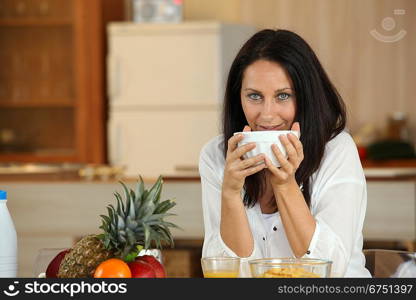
point(264, 141)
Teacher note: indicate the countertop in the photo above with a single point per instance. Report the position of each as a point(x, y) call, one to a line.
point(373, 170)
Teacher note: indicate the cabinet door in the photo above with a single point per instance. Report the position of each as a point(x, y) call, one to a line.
point(151, 143)
point(51, 79)
point(390, 211)
point(164, 67)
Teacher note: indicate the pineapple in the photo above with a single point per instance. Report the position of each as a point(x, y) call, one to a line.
point(84, 257)
point(134, 224)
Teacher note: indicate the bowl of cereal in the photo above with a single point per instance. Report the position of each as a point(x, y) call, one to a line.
point(290, 268)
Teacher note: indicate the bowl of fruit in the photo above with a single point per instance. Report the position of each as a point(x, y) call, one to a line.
point(290, 268)
point(124, 247)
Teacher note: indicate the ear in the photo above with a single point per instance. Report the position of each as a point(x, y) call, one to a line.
point(246, 128)
point(296, 127)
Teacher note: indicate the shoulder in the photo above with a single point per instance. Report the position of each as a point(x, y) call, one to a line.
point(212, 154)
point(342, 140)
point(213, 148)
point(340, 163)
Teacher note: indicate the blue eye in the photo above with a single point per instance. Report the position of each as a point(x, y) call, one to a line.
point(283, 96)
point(254, 96)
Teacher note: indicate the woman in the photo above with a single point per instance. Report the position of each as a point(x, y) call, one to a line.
point(314, 204)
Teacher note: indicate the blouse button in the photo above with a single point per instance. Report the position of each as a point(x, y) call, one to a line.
point(264, 238)
point(308, 252)
point(274, 228)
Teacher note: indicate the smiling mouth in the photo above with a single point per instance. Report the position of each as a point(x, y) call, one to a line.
point(264, 128)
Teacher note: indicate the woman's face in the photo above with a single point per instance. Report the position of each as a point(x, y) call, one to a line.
point(267, 97)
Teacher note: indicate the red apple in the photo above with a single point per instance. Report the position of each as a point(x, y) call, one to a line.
point(157, 266)
point(141, 269)
point(53, 267)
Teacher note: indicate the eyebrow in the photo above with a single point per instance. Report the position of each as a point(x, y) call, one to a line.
point(277, 91)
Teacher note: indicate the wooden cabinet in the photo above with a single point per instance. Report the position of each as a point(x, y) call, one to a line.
point(391, 211)
point(52, 93)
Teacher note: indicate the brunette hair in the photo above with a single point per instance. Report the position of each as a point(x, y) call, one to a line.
point(320, 109)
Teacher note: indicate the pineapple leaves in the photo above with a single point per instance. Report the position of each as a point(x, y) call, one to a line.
point(120, 224)
point(164, 206)
point(154, 193)
point(131, 256)
point(105, 223)
point(146, 235)
point(157, 217)
point(130, 196)
point(120, 204)
point(167, 235)
point(131, 209)
point(150, 199)
point(139, 191)
point(106, 219)
point(137, 220)
point(131, 223)
point(110, 212)
point(130, 236)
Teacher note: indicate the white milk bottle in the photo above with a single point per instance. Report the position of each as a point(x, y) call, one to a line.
point(8, 240)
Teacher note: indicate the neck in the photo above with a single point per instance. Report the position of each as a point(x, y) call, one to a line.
point(268, 202)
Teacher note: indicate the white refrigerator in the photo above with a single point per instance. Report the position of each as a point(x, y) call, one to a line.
point(166, 86)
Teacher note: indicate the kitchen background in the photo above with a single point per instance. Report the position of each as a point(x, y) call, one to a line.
point(100, 90)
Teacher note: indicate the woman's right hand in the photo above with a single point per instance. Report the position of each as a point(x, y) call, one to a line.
point(237, 169)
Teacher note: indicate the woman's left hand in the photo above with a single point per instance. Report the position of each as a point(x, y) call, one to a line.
point(285, 174)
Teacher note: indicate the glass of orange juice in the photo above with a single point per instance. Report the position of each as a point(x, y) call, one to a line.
point(220, 267)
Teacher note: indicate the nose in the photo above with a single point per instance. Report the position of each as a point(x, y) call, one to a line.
point(268, 111)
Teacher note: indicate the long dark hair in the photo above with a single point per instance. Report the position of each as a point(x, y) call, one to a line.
point(320, 109)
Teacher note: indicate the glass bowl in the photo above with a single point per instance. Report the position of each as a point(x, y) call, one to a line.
point(290, 268)
point(220, 267)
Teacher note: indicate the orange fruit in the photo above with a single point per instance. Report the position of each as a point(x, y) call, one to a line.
point(112, 268)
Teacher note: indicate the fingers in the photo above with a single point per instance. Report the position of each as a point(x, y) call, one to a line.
point(292, 154)
point(284, 163)
point(246, 128)
point(242, 168)
point(233, 142)
point(296, 127)
point(272, 168)
point(240, 151)
point(298, 146)
point(252, 161)
point(237, 165)
point(253, 170)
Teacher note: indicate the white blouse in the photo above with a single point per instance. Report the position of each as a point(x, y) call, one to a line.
point(338, 204)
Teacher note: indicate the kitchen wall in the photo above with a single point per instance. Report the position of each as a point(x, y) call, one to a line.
point(375, 78)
